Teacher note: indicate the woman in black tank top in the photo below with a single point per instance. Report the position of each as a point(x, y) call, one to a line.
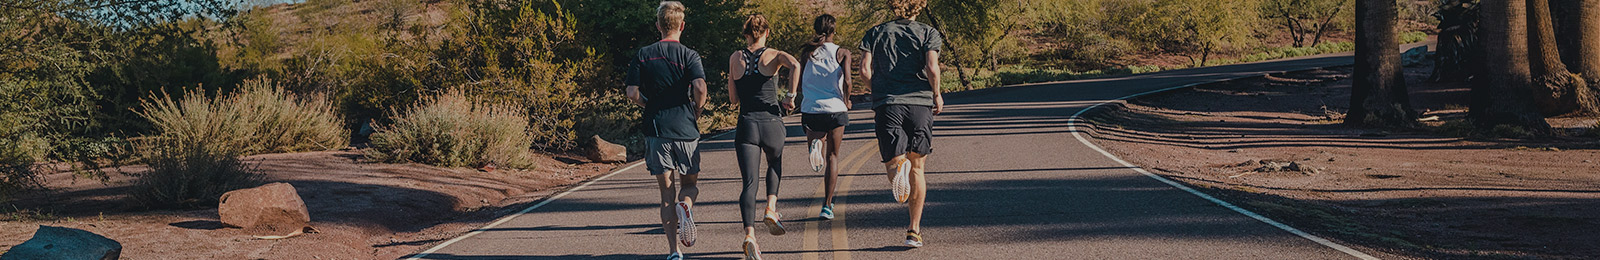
point(760, 132)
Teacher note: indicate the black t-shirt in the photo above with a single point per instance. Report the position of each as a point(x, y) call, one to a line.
point(664, 72)
point(899, 51)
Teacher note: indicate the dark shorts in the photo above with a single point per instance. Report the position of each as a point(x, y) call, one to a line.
point(904, 128)
point(824, 122)
point(662, 155)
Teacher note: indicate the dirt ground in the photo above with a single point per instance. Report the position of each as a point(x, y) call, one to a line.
point(1275, 145)
point(363, 210)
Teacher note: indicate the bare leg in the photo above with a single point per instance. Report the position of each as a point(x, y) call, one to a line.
point(830, 179)
point(919, 190)
point(890, 166)
point(669, 216)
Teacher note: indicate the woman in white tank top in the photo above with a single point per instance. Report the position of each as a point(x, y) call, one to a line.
point(825, 79)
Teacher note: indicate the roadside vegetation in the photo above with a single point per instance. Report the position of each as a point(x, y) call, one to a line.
point(455, 130)
point(83, 72)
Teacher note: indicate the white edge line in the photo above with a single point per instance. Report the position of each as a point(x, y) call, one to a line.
point(1072, 126)
point(508, 218)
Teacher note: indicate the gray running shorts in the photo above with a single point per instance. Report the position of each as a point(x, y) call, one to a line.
point(664, 155)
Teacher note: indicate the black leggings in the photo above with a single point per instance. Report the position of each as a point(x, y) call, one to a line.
point(757, 135)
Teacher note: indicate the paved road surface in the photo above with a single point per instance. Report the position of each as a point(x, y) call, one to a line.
point(1007, 180)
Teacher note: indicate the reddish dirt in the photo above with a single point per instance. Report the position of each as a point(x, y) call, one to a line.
point(1411, 192)
point(363, 210)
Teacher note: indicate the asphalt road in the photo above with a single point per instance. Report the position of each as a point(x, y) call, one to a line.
point(1007, 180)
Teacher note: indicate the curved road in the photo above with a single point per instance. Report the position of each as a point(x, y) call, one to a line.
point(1008, 180)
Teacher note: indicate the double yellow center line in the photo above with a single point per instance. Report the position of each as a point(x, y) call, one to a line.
point(840, 241)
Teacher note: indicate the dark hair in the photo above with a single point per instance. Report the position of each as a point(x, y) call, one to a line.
point(824, 25)
point(755, 24)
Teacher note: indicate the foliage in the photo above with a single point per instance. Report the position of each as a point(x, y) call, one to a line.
point(1302, 17)
point(455, 130)
point(190, 174)
point(257, 118)
point(58, 74)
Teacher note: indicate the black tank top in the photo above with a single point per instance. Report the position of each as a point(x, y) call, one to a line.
point(758, 93)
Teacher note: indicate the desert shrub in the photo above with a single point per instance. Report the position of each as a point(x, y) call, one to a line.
point(194, 155)
point(1413, 37)
point(189, 174)
point(257, 118)
point(455, 130)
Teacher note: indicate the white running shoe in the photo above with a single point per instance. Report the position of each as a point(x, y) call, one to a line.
point(817, 160)
point(751, 250)
point(685, 225)
point(774, 225)
point(902, 181)
point(913, 239)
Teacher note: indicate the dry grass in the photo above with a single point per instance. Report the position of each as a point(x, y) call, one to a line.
point(194, 155)
point(455, 130)
point(257, 118)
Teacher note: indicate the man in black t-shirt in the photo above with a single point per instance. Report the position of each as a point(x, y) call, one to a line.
point(902, 67)
point(667, 79)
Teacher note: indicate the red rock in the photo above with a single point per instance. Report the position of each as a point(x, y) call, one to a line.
point(274, 209)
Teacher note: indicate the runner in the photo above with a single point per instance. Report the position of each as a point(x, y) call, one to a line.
point(760, 130)
point(902, 66)
point(667, 79)
point(826, 80)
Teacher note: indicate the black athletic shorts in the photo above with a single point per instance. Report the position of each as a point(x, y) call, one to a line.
point(824, 122)
point(904, 128)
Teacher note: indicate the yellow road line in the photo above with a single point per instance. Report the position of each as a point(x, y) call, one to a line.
point(841, 241)
point(811, 236)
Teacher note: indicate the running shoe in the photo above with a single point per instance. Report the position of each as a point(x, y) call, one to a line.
point(817, 160)
point(827, 211)
point(773, 225)
point(675, 256)
point(902, 181)
point(751, 251)
point(913, 239)
point(685, 225)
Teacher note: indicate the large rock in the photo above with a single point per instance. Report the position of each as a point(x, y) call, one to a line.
point(270, 210)
point(1414, 56)
point(606, 152)
point(59, 243)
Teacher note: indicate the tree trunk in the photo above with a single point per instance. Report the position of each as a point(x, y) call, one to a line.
point(1507, 94)
point(1556, 90)
point(1379, 97)
point(1588, 45)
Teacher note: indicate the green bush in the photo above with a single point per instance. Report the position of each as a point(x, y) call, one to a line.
point(189, 174)
point(257, 118)
point(454, 130)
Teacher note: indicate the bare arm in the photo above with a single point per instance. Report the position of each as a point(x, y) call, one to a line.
point(866, 72)
point(932, 69)
point(785, 60)
point(844, 87)
point(735, 70)
point(699, 90)
point(634, 96)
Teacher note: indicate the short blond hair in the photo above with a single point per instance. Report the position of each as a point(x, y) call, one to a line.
point(907, 8)
point(670, 15)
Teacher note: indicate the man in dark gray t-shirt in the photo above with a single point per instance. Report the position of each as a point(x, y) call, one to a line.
point(902, 66)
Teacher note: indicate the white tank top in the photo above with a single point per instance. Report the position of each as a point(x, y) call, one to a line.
point(823, 82)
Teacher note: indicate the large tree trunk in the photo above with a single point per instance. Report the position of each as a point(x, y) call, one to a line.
point(1506, 98)
point(1379, 97)
point(1556, 90)
point(1588, 45)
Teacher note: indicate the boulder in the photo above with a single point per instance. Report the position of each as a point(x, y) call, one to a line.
point(59, 243)
point(1414, 56)
point(274, 209)
point(606, 152)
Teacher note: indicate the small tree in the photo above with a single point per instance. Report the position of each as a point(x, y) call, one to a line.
point(1198, 29)
point(1303, 17)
